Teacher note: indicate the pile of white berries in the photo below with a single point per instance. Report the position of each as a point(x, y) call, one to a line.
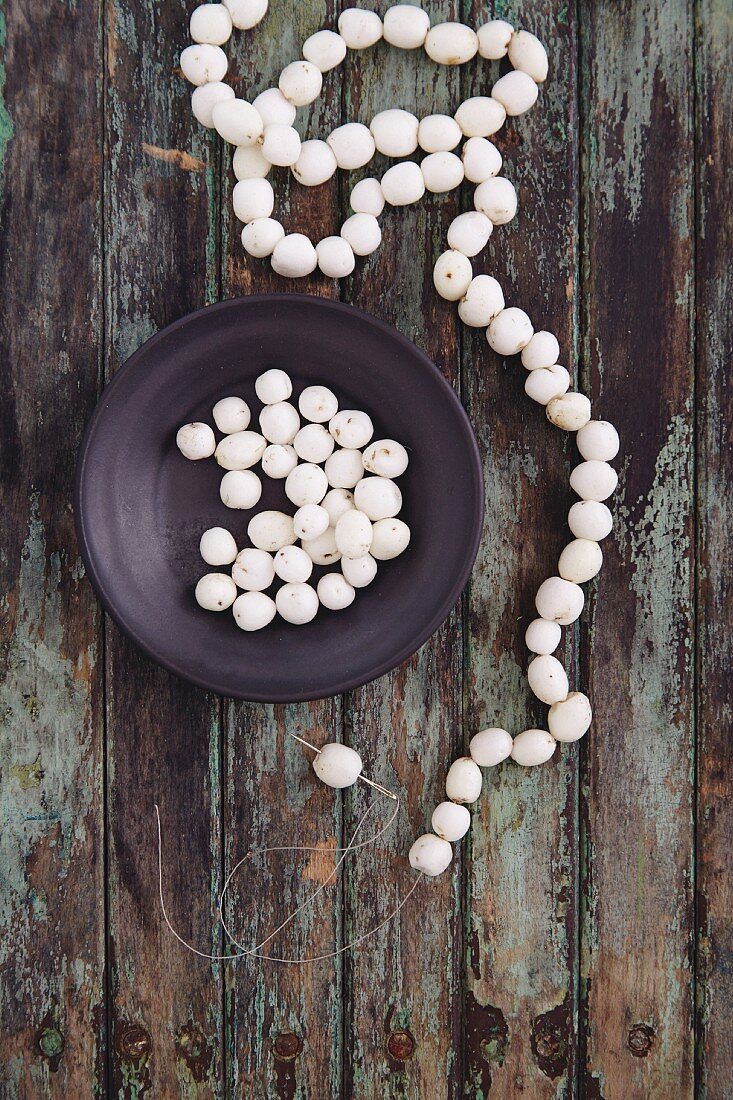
point(337, 477)
point(263, 134)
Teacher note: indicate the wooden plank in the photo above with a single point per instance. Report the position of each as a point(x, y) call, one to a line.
point(637, 807)
point(52, 1025)
point(714, 160)
point(163, 736)
point(283, 1022)
point(402, 992)
point(520, 1011)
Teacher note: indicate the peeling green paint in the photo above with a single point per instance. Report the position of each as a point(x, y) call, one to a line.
point(7, 129)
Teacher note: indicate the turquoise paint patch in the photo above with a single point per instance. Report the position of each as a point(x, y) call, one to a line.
point(7, 130)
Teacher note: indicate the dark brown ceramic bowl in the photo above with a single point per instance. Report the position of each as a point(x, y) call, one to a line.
point(141, 507)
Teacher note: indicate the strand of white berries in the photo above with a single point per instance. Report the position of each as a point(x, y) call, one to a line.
point(263, 134)
point(509, 330)
point(343, 514)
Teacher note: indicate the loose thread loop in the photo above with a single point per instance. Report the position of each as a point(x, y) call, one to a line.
point(256, 952)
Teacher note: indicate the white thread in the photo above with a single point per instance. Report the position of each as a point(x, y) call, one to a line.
point(255, 952)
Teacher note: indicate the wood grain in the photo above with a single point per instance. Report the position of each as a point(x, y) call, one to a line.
point(520, 1026)
point(52, 1019)
point(163, 735)
point(637, 343)
point(714, 237)
point(283, 1037)
point(402, 1032)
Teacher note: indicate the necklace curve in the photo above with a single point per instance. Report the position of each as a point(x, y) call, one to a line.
point(263, 136)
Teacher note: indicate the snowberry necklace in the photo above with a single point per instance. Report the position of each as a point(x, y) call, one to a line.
point(263, 135)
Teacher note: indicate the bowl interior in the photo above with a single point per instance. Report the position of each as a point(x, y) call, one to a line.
point(142, 507)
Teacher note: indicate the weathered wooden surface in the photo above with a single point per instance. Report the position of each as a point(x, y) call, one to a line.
point(582, 945)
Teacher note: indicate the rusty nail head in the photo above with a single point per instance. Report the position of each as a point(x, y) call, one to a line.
point(287, 1046)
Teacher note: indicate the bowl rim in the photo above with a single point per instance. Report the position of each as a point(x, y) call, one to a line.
point(113, 609)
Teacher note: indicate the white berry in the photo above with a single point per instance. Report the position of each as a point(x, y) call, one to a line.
point(315, 165)
point(273, 107)
point(353, 533)
point(528, 55)
point(367, 197)
point(216, 592)
point(363, 233)
point(246, 13)
point(452, 275)
point(450, 821)
point(279, 460)
point(271, 530)
point(593, 480)
point(463, 781)
point(211, 23)
point(490, 746)
point(306, 484)
point(516, 92)
point(451, 43)
point(254, 570)
point(510, 331)
point(480, 116)
point(335, 257)
point(481, 159)
point(497, 199)
point(386, 458)
point(494, 38)
point(569, 412)
point(543, 350)
point(261, 236)
point(543, 636)
point(359, 28)
point(203, 64)
point(571, 718)
point(559, 601)
point(273, 386)
point(351, 428)
point(317, 404)
point(580, 561)
point(294, 256)
point(430, 854)
point(240, 450)
point(253, 610)
point(217, 546)
point(240, 489)
point(403, 184)
point(532, 747)
point(598, 440)
point(310, 521)
point(378, 497)
point(253, 198)
point(395, 132)
point(438, 133)
point(248, 162)
point(323, 550)
point(196, 441)
point(325, 50)
point(406, 26)
point(352, 145)
point(297, 603)
point(281, 145)
point(300, 82)
point(344, 468)
point(279, 423)
point(231, 414)
point(469, 233)
point(292, 564)
point(337, 765)
point(359, 572)
point(546, 383)
point(206, 97)
point(237, 121)
point(390, 537)
point(336, 502)
point(335, 592)
point(589, 519)
point(313, 443)
point(482, 302)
